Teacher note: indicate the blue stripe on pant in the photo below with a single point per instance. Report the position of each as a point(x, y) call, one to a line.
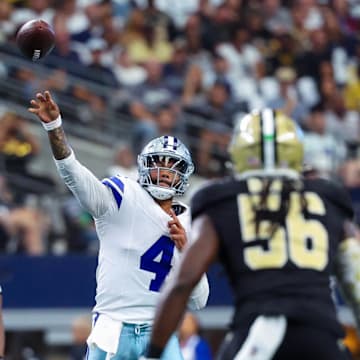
point(134, 339)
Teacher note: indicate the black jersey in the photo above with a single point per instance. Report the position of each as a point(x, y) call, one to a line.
point(284, 269)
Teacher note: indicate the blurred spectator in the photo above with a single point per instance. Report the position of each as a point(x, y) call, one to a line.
point(288, 98)
point(34, 9)
point(281, 52)
point(244, 59)
point(92, 100)
point(308, 63)
point(63, 56)
point(150, 44)
point(154, 92)
point(245, 62)
point(7, 26)
point(133, 29)
point(18, 147)
point(80, 231)
point(179, 10)
point(170, 121)
point(352, 91)
point(74, 19)
point(197, 54)
point(193, 345)
point(298, 31)
point(218, 113)
point(121, 10)
point(17, 144)
point(80, 328)
point(112, 34)
point(159, 20)
point(344, 46)
point(219, 28)
point(277, 17)
point(95, 71)
point(126, 71)
point(124, 163)
point(345, 12)
point(340, 121)
point(163, 120)
point(175, 70)
point(99, 14)
point(23, 229)
point(323, 151)
point(144, 128)
point(254, 20)
point(57, 80)
point(219, 71)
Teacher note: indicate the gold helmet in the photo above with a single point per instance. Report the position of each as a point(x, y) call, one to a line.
point(266, 140)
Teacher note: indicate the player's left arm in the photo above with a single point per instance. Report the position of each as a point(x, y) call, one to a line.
point(347, 267)
point(195, 261)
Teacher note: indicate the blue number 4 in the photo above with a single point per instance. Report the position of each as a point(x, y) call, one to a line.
point(165, 247)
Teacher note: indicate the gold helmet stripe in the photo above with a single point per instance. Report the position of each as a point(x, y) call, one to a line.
point(268, 130)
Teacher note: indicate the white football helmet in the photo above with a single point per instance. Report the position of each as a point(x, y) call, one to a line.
point(163, 149)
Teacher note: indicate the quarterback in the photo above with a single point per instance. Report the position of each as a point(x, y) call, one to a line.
point(141, 230)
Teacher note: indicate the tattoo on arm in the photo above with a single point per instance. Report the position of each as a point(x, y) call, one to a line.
point(58, 142)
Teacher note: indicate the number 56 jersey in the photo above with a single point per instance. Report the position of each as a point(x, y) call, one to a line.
point(136, 253)
point(281, 263)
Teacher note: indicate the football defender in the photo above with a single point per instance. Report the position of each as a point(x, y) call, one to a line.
point(142, 232)
point(279, 237)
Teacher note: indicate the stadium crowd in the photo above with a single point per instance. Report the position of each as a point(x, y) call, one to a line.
point(187, 68)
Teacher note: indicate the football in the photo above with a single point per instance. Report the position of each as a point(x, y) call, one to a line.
point(35, 39)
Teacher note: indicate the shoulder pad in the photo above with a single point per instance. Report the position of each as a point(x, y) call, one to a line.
point(338, 195)
point(179, 208)
point(210, 194)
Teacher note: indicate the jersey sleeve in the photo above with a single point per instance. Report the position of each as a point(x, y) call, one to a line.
point(92, 194)
point(205, 198)
point(339, 196)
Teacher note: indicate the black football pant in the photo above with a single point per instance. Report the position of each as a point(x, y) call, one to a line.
point(300, 342)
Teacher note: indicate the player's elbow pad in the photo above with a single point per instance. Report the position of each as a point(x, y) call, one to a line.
point(200, 294)
point(348, 272)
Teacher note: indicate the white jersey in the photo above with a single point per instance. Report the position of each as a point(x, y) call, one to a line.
point(136, 253)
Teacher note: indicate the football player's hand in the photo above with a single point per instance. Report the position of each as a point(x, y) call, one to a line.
point(44, 107)
point(177, 232)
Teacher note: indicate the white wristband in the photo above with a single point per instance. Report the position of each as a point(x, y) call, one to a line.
point(52, 124)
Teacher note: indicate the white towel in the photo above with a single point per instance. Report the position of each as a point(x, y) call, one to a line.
point(105, 335)
point(265, 337)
